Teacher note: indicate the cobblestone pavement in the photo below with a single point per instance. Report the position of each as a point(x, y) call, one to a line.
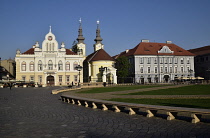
point(36, 113)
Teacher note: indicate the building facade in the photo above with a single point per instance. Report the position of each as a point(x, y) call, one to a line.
point(159, 62)
point(49, 64)
point(7, 69)
point(202, 61)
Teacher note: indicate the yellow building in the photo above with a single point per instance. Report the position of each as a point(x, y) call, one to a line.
point(99, 66)
point(50, 64)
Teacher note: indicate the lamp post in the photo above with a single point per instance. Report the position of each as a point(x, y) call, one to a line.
point(101, 69)
point(190, 71)
point(79, 68)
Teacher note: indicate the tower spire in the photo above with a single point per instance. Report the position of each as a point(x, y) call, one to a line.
point(50, 28)
point(98, 35)
point(80, 37)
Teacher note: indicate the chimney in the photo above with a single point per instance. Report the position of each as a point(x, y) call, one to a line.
point(145, 40)
point(168, 42)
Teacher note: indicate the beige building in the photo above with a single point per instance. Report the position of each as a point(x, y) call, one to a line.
point(50, 64)
point(99, 66)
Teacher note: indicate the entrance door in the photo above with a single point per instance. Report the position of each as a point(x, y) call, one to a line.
point(50, 81)
point(142, 80)
point(166, 77)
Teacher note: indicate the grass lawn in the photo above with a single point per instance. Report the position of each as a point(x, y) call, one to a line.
point(185, 90)
point(118, 88)
point(191, 103)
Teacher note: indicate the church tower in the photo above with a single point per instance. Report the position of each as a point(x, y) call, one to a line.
point(98, 45)
point(81, 45)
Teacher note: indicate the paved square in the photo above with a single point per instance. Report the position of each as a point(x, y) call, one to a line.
point(35, 112)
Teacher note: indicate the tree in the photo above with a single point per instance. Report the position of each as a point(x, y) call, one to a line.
point(122, 65)
point(75, 47)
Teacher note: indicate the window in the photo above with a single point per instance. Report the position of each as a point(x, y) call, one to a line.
point(67, 78)
point(155, 60)
point(182, 69)
point(171, 70)
point(50, 65)
point(31, 66)
point(60, 78)
point(166, 60)
point(155, 69)
point(67, 66)
point(148, 69)
point(23, 66)
point(175, 60)
point(188, 61)
point(170, 60)
point(148, 60)
point(31, 78)
point(24, 78)
point(75, 78)
point(182, 61)
point(175, 69)
point(161, 69)
point(141, 70)
point(40, 65)
point(141, 60)
point(166, 69)
point(75, 64)
point(40, 79)
point(60, 65)
point(161, 60)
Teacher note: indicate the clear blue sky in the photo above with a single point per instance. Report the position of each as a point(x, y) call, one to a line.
point(123, 23)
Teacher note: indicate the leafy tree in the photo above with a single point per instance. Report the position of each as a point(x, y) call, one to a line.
point(75, 47)
point(122, 65)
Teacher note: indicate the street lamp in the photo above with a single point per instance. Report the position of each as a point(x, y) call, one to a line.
point(79, 68)
point(101, 69)
point(190, 71)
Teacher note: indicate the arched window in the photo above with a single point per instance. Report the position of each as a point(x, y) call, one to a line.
point(50, 65)
point(31, 66)
point(67, 66)
point(60, 65)
point(40, 65)
point(23, 66)
point(75, 64)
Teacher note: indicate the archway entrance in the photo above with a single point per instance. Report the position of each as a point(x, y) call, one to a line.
point(166, 78)
point(50, 81)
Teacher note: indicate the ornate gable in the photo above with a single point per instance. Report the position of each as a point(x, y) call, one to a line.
point(165, 49)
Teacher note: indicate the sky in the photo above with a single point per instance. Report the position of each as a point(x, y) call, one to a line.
point(123, 23)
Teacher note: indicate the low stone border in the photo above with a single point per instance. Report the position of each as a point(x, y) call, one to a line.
point(170, 113)
point(56, 91)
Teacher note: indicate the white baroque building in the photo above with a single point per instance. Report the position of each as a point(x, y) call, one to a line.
point(50, 64)
point(153, 62)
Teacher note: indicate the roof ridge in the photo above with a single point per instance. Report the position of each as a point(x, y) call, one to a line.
point(93, 55)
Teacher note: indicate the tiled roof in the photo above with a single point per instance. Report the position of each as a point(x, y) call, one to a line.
point(201, 50)
point(69, 52)
point(99, 55)
point(152, 48)
point(30, 51)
